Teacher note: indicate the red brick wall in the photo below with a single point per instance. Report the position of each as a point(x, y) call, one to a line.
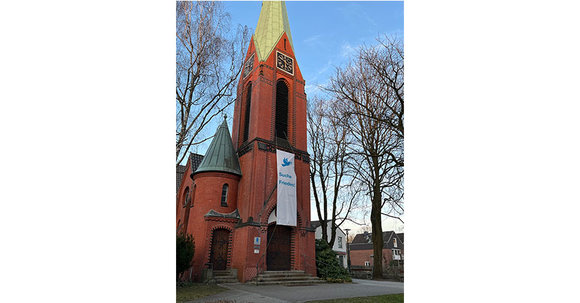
point(358, 257)
point(259, 167)
point(209, 192)
point(186, 182)
point(259, 170)
point(264, 79)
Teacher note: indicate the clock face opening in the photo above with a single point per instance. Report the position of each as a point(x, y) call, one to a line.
point(284, 63)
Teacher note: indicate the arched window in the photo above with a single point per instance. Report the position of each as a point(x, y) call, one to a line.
point(281, 110)
point(187, 197)
point(247, 113)
point(225, 195)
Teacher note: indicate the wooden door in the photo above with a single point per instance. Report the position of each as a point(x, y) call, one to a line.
point(278, 254)
point(219, 249)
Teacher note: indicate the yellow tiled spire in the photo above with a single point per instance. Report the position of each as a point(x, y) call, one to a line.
point(272, 23)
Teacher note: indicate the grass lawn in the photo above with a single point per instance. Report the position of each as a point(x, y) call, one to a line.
point(396, 298)
point(197, 290)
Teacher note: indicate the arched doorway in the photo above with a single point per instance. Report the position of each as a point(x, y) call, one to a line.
point(219, 249)
point(278, 252)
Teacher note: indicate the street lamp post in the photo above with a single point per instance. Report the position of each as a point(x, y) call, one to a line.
point(347, 250)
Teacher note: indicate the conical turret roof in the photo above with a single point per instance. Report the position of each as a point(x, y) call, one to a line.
point(273, 22)
point(221, 155)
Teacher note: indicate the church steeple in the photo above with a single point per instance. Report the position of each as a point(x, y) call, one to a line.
point(271, 103)
point(273, 22)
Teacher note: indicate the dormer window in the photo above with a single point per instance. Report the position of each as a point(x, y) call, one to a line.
point(395, 242)
point(225, 195)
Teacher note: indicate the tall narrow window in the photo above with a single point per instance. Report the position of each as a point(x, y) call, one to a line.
point(186, 196)
point(225, 195)
point(247, 114)
point(281, 110)
point(193, 195)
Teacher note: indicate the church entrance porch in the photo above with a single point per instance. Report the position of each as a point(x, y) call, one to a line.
point(278, 251)
point(219, 249)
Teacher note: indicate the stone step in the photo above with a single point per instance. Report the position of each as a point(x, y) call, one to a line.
point(289, 272)
point(286, 277)
point(225, 276)
point(292, 283)
point(283, 274)
point(266, 278)
point(228, 280)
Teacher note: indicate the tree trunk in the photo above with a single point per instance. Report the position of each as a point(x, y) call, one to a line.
point(377, 227)
point(323, 225)
point(377, 238)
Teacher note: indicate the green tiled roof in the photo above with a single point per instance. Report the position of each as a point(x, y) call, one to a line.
point(221, 155)
point(272, 23)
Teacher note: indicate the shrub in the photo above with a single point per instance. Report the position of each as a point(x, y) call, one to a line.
point(328, 265)
point(185, 249)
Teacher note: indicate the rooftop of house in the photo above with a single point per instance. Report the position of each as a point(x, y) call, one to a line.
point(194, 160)
point(402, 237)
point(316, 224)
point(364, 241)
point(179, 170)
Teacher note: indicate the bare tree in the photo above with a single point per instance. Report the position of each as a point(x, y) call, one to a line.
point(332, 186)
point(369, 98)
point(208, 63)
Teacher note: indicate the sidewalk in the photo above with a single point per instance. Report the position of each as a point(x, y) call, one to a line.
point(245, 293)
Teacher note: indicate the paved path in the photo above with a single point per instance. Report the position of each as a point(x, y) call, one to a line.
point(245, 293)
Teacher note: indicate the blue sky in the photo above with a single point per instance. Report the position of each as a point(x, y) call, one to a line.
point(326, 33)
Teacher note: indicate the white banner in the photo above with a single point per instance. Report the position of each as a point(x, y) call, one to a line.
point(286, 208)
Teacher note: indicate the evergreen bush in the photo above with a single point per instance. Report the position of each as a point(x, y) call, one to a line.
point(328, 265)
point(185, 249)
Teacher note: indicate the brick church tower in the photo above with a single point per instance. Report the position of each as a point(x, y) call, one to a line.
point(240, 232)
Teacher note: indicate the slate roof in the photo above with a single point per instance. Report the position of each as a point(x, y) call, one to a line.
point(194, 160)
point(272, 23)
point(315, 224)
point(401, 237)
point(180, 170)
point(364, 241)
point(221, 155)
